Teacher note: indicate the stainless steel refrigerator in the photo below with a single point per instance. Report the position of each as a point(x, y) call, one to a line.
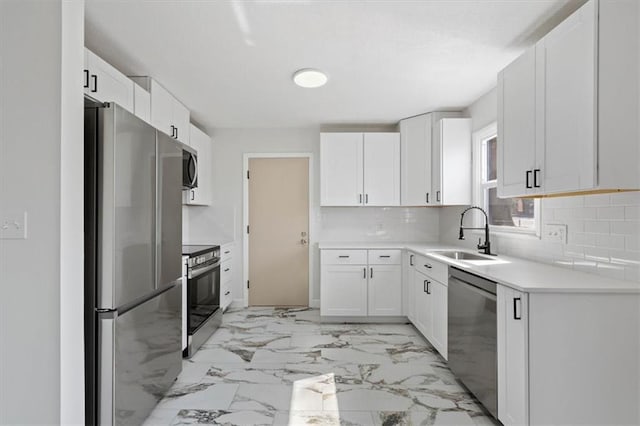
point(133, 241)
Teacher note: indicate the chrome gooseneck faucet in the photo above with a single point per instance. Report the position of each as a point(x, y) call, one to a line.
point(486, 247)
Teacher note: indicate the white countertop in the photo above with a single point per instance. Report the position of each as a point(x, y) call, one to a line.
point(520, 274)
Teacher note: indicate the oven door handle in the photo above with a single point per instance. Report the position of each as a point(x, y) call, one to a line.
point(199, 271)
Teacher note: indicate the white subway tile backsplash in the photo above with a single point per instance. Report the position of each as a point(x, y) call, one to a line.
point(632, 213)
point(632, 242)
point(583, 239)
point(611, 213)
point(586, 213)
point(610, 241)
point(596, 227)
point(626, 228)
point(597, 200)
point(625, 198)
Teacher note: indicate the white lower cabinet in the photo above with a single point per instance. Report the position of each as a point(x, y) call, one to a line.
point(343, 290)
point(512, 312)
point(430, 301)
point(361, 283)
point(385, 290)
point(226, 274)
point(408, 300)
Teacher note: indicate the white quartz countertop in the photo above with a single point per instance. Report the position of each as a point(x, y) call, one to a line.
point(520, 274)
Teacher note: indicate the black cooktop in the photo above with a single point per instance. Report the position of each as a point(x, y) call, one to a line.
point(196, 250)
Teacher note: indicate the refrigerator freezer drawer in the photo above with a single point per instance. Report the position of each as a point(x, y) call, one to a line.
point(140, 357)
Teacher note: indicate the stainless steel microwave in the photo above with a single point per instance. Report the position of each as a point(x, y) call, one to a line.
point(189, 168)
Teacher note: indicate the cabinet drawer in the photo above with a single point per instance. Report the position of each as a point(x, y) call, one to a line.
point(226, 271)
point(433, 269)
point(344, 257)
point(226, 251)
point(385, 257)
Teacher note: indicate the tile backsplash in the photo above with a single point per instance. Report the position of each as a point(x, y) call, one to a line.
point(370, 224)
point(603, 234)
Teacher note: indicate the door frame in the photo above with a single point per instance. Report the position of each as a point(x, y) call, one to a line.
point(245, 216)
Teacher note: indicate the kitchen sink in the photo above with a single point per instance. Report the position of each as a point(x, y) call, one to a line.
point(462, 255)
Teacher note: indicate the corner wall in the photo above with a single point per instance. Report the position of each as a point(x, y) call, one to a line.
point(603, 230)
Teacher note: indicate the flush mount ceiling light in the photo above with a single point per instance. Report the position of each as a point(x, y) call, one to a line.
point(309, 78)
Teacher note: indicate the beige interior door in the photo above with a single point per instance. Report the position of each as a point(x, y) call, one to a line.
point(278, 232)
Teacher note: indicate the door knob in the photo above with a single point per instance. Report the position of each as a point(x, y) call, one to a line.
point(303, 242)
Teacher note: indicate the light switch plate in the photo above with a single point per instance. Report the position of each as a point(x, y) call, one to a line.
point(555, 233)
point(13, 225)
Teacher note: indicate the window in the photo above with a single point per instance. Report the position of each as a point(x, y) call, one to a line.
point(505, 214)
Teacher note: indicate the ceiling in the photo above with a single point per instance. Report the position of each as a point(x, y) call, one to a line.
point(231, 62)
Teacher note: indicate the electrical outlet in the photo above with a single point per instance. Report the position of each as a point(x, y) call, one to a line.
point(555, 233)
point(13, 225)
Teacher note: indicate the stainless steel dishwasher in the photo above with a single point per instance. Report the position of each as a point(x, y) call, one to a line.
point(472, 335)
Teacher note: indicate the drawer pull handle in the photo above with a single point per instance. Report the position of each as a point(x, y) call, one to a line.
point(384, 257)
point(428, 266)
point(227, 293)
point(227, 252)
point(343, 257)
point(226, 270)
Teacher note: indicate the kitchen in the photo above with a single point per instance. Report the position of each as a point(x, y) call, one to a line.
point(593, 231)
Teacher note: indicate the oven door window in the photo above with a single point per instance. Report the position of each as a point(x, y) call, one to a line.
point(203, 293)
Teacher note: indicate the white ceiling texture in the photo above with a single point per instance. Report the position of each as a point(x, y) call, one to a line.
point(231, 62)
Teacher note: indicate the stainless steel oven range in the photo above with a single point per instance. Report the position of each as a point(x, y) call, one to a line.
point(204, 315)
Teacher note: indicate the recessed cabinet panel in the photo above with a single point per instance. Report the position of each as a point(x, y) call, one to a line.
point(513, 362)
point(341, 169)
point(415, 145)
point(343, 290)
point(567, 60)
point(516, 126)
point(451, 174)
point(382, 169)
point(439, 317)
point(385, 290)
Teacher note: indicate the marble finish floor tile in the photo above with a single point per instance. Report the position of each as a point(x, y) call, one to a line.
point(279, 366)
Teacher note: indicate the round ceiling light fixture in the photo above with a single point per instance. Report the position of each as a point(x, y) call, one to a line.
point(310, 78)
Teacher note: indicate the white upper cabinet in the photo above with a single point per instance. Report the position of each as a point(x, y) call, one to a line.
point(167, 113)
point(360, 169)
point(568, 107)
point(201, 195)
point(566, 68)
point(141, 103)
point(435, 160)
point(382, 169)
point(516, 126)
point(451, 162)
point(104, 83)
point(341, 169)
point(415, 145)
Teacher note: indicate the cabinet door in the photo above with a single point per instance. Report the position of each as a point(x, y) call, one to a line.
point(451, 167)
point(180, 119)
point(439, 302)
point(106, 83)
point(423, 305)
point(201, 195)
point(343, 290)
point(382, 169)
point(385, 290)
point(517, 126)
point(341, 169)
point(408, 299)
point(141, 103)
point(415, 158)
point(513, 362)
point(161, 108)
point(566, 60)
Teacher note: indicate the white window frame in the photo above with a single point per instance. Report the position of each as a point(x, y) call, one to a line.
point(479, 187)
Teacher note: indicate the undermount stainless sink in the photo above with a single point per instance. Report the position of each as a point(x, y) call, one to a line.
point(462, 255)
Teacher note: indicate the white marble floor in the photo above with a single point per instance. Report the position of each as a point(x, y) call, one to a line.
point(268, 366)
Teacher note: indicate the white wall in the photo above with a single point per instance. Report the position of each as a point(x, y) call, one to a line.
point(603, 230)
point(222, 222)
point(38, 137)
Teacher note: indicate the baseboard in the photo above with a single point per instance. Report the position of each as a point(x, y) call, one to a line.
point(365, 320)
point(237, 303)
